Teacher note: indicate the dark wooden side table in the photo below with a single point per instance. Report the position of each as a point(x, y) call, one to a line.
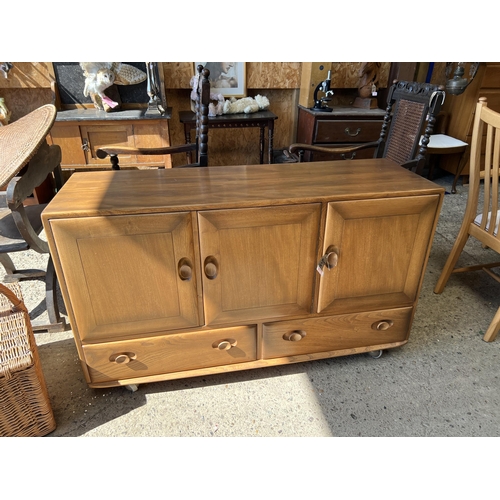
point(344, 126)
point(261, 119)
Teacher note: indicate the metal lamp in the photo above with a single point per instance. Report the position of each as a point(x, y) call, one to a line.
point(458, 84)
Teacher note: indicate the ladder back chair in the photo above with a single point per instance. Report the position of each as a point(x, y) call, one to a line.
point(26, 160)
point(200, 146)
point(481, 220)
point(410, 106)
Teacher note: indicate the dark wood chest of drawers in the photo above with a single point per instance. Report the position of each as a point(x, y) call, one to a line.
point(341, 127)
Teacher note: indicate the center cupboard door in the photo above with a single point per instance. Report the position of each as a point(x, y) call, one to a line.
point(376, 251)
point(258, 262)
point(128, 275)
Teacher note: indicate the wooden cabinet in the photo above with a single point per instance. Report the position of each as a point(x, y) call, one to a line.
point(81, 132)
point(343, 126)
point(211, 270)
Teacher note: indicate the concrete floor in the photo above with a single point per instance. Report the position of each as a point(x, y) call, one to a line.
point(443, 382)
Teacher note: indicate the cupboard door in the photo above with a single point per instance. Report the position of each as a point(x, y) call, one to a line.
point(258, 263)
point(379, 247)
point(98, 136)
point(128, 274)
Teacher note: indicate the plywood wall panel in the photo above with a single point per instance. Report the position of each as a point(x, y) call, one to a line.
point(273, 75)
point(29, 75)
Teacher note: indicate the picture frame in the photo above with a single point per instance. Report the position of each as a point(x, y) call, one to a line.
point(226, 78)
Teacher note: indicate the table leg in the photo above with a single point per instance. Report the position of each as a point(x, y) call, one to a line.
point(271, 137)
point(187, 134)
point(261, 144)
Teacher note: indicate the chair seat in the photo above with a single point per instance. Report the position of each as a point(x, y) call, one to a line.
point(443, 141)
point(10, 238)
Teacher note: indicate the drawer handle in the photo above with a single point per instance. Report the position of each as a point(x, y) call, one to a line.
point(353, 155)
point(348, 132)
point(224, 345)
point(330, 259)
point(185, 270)
point(383, 325)
point(294, 336)
point(211, 267)
point(123, 358)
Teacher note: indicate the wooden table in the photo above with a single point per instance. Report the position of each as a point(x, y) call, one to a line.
point(261, 119)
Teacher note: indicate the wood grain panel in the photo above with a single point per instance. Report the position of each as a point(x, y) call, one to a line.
point(170, 353)
point(264, 258)
point(336, 332)
point(374, 272)
point(273, 75)
point(117, 268)
point(29, 75)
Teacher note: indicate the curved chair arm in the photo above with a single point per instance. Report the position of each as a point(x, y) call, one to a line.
point(113, 152)
point(102, 153)
point(21, 218)
point(293, 148)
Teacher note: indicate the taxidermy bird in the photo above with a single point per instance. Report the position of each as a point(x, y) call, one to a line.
point(101, 75)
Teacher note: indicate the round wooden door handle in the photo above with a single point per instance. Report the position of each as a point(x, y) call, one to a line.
point(123, 358)
point(185, 272)
point(383, 325)
point(294, 336)
point(224, 345)
point(332, 257)
point(211, 268)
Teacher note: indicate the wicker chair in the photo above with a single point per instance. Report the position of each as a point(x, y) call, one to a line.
point(482, 226)
point(25, 162)
point(411, 112)
point(200, 146)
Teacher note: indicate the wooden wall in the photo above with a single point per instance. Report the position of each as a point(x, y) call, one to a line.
point(280, 82)
point(29, 85)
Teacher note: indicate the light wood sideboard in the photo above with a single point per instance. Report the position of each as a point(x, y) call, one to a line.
point(174, 273)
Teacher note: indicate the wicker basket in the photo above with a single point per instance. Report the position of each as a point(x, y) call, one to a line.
point(24, 402)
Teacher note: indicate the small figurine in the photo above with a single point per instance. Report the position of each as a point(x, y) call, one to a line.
point(367, 86)
point(100, 76)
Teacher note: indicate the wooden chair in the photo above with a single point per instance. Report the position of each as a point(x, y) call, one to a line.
point(483, 225)
point(410, 105)
point(200, 146)
point(26, 160)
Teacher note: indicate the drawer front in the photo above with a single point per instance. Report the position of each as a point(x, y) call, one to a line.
point(347, 131)
point(358, 155)
point(332, 333)
point(170, 353)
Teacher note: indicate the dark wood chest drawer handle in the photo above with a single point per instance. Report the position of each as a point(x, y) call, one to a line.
point(123, 358)
point(348, 132)
point(343, 156)
point(383, 325)
point(224, 345)
point(294, 336)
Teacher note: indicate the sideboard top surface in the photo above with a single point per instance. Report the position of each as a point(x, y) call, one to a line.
point(151, 191)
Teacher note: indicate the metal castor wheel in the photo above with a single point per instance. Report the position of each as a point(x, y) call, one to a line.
point(132, 387)
point(376, 354)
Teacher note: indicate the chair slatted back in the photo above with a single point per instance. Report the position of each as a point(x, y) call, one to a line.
point(485, 167)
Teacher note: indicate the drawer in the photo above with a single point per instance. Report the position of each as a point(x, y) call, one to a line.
point(170, 353)
point(347, 131)
point(332, 333)
point(358, 155)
